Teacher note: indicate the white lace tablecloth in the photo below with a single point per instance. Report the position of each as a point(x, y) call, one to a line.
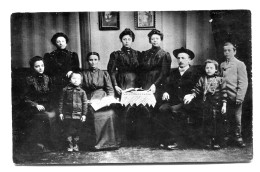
point(138, 98)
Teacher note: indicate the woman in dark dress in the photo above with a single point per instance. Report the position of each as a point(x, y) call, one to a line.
point(97, 84)
point(61, 62)
point(38, 98)
point(123, 64)
point(155, 64)
point(123, 68)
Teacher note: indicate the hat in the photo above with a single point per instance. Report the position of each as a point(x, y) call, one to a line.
point(59, 34)
point(155, 31)
point(183, 50)
point(129, 32)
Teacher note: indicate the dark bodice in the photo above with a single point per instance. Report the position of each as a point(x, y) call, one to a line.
point(38, 90)
point(58, 63)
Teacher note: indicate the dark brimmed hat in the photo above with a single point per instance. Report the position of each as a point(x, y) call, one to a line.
point(157, 32)
point(59, 34)
point(129, 32)
point(183, 50)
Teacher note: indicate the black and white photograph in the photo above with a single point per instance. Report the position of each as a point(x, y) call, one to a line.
point(131, 87)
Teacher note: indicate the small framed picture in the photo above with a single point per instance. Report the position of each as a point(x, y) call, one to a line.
point(144, 19)
point(109, 20)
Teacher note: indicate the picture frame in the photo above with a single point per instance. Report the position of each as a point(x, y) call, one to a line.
point(109, 20)
point(145, 20)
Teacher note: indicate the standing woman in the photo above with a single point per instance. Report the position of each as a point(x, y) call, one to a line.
point(61, 62)
point(123, 64)
point(97, 84)
point(155, 64)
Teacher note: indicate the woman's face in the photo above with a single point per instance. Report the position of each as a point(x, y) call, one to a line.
point(61, 43)
point(39, 67)
point(127, 41)
point(155, 40)
point(93, 61)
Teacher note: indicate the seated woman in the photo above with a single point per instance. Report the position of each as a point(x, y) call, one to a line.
point(37, 97)
point(97, 85)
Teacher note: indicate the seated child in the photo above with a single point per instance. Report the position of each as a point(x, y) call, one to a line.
point(73, 110)
point(214, 95)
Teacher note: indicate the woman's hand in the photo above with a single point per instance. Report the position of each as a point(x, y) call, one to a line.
point(165, 96)
point(224, 108)
point(118, 89)
point(40, 107)
point(152, 88)
point(61, 117)
point(83, 118)
point(188, 98)
point(69, 73)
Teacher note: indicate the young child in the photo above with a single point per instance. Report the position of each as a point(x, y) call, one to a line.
point(214, 96)
point(235, 75)
point(73, 110)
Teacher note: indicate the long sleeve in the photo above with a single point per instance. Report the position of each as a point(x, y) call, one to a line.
point(198, 88)
point(84, 104)
point(223, 90)
point(242, 81)
point(111, 68)
point(47, 64)
point(165, 69)
point(28, 93)
point(108, 85)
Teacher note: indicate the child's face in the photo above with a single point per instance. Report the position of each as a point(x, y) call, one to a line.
point(39, 67)
point(155, 40)
point(229, 51)
point(127, 41)
point(61, 43)
point(75, 79)
point(210, 69)
point(93, 61)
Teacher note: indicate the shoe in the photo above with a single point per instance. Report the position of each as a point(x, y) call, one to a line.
point(216, 147)
point(240, 144)
point(173, 146)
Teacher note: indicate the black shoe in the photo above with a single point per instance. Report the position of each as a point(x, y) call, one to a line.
point(173, 146)
point(240, 144)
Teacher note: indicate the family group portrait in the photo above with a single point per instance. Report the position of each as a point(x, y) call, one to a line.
point(131, 87)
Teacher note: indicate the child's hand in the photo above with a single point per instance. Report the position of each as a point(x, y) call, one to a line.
point(83, 118)
point(61, 117)
point(68, 74)
point(40, 107)
point(188, 98)
point(224, 108)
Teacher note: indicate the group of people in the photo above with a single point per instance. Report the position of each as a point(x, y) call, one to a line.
point(59, 95)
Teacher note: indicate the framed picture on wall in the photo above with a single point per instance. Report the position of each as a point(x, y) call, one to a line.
point(144, 19)
point(109, 20)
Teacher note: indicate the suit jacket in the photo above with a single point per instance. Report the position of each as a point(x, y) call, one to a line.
point(178, 86)
point(235, 75)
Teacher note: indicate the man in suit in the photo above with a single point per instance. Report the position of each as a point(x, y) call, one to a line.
point(179, 83)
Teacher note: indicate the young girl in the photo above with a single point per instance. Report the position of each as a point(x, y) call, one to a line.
point(37, 97)
point(213, 91)
point(73, 110)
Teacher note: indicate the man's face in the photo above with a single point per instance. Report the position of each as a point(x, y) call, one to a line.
point(183, 60)
point(229, 51)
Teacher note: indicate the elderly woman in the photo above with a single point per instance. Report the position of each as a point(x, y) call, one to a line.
point(97, 84)
point(38, 98)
